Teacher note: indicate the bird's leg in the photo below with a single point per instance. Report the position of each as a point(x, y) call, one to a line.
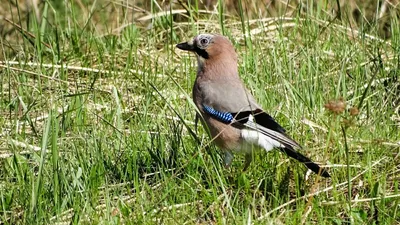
point(196, 121)
point(228, 159)
point(247, 160)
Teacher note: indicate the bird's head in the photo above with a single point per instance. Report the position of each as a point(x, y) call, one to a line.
point(209, 46)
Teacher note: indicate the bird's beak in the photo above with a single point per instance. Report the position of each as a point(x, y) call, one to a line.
point(188, 46)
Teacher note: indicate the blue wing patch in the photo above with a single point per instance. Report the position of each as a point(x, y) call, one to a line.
point(224, 117)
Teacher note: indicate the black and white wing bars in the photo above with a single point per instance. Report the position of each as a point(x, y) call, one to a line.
point(263, 123)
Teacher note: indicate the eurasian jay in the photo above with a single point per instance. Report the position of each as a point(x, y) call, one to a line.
point(235, 121)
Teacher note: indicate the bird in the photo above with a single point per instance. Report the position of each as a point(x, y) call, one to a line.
point(236, 122)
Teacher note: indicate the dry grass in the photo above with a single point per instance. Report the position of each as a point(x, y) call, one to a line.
point(102, 130)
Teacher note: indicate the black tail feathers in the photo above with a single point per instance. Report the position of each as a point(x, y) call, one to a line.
point(307, 161)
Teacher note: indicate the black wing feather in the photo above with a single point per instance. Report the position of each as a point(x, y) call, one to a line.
point(265, 120)
point(262, 118)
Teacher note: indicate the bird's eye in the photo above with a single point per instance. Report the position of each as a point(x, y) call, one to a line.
point(204, 41)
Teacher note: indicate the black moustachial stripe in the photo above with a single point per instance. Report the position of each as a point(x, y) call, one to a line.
point(201, 52)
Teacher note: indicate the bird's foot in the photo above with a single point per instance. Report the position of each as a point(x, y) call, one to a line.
point(228, 158)
point(247, 160)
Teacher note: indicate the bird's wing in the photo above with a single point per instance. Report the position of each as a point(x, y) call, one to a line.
point(226, 96)
point(255, 120)
point(231, 97)
point(267, 127)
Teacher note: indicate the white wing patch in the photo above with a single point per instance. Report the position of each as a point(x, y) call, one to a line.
point(255, 138)
point(269, 134)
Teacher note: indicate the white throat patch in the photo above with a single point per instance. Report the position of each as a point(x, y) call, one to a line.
point(200, 61)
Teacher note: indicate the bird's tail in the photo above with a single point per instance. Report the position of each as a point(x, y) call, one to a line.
point(307, 161)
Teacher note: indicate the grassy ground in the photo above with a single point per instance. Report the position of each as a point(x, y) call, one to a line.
point(97, 123)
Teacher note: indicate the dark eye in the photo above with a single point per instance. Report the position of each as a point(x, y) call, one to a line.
point(204, 41)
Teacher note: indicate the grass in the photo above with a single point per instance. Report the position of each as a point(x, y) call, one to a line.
point(97, 124)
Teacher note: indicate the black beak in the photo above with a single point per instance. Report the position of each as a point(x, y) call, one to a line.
point(186, 46)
